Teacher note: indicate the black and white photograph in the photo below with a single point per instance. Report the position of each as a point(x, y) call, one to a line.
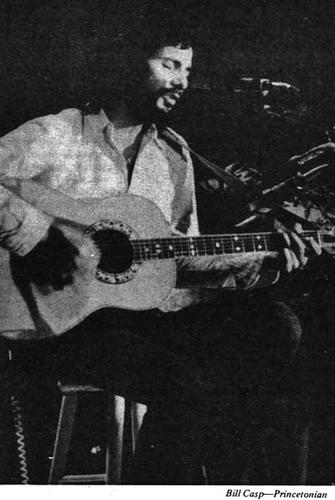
point(167, 243)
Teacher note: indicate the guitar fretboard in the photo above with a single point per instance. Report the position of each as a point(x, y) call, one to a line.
point(174, 248)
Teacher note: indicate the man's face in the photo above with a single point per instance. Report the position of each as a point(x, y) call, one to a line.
point(168, 76)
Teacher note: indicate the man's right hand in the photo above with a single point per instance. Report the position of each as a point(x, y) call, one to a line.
point(21, 225)
point(52, 262)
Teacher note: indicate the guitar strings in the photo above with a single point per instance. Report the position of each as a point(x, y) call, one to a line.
point(237, 238)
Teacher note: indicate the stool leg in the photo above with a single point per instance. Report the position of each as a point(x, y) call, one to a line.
point(302, 450)
point(115, 427)
point(137, 412)
point(63, 437)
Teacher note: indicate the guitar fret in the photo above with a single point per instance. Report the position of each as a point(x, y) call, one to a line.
point(249, 244)
point(178, 248)
point(228, 246)
point(253, 243)
point(201, 246)
point(265, 242)
point(208, 245)
point(138, 255)
point(242, 243)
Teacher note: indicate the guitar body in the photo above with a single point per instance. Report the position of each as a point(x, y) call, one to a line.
point(28, 311)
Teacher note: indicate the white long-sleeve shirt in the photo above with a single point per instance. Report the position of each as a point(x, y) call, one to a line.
point(77, 155)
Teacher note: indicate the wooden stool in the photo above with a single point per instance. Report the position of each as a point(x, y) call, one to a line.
point(115, 417)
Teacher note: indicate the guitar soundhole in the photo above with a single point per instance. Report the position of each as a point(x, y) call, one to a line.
point(116, 251)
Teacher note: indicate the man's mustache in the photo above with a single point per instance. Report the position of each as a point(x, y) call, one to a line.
point(170, 92)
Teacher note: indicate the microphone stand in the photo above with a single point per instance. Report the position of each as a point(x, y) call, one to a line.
point(289, 116)
point(271, 198)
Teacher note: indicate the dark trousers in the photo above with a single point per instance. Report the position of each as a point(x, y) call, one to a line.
point(207, 373)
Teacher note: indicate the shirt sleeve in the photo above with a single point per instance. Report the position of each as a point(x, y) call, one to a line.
point(22, 156)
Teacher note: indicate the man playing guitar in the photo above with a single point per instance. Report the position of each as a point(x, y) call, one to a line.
point(126, 149)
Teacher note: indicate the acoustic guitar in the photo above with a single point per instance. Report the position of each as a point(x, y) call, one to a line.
point(126, 259)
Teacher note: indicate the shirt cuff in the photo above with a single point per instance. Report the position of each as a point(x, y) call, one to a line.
point(27, 233)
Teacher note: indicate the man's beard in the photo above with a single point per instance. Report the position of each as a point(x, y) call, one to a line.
point(145, 109)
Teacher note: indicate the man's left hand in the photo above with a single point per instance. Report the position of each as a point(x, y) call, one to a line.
point(297, 250)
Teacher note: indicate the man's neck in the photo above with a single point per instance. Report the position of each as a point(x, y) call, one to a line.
point(127, 130)
point(123, 118)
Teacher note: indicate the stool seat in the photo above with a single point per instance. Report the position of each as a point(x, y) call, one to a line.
point(115, 417)
point(75, 388)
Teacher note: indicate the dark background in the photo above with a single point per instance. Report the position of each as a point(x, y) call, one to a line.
point(58, 54)
point(51, 58)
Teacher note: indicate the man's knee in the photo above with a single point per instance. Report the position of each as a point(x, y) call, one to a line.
point(282, 327)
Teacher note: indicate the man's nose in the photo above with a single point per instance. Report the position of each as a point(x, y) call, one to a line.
point(180, 80)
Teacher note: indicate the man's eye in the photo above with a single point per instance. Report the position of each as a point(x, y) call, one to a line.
point(168, 65)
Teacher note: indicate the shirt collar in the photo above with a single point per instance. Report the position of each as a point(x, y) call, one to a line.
point(95, 124)
point(99, 123)
point(151, 133)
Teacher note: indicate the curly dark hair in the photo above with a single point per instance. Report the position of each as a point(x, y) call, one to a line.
point(162, 25)
point(127, 39)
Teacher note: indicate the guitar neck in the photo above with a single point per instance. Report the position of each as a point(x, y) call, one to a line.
point(209, 245)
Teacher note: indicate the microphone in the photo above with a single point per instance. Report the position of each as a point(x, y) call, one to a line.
point(247, 84)
point(263, 85)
